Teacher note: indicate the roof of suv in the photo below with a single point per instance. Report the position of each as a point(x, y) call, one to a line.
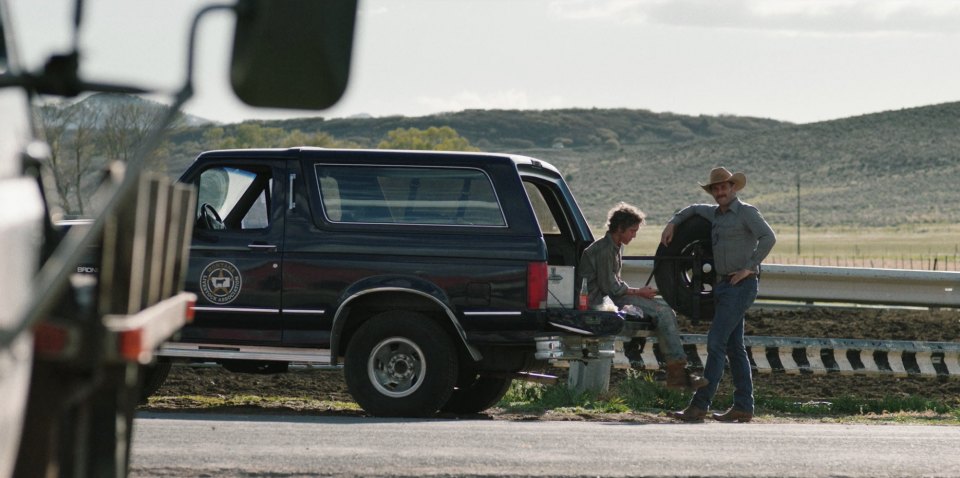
point(282, 153)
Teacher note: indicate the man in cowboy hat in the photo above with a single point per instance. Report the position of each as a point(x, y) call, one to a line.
point(741, 240)
point(600, 266)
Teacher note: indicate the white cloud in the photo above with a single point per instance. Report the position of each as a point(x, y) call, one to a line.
point(843, 17)
point(506, 99)
point(631, 10)
point(367, 9)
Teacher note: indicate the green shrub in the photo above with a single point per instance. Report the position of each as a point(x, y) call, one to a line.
point(641, 392)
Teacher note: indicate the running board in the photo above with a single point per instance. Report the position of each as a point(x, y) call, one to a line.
point(244, 352)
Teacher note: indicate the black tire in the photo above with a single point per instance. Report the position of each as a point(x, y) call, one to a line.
point(401, 364)
point(687, 284)
point(476, 394)
point(152, 377)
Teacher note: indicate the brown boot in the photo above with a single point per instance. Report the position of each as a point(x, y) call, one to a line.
point(691, 414)
point(733, 415)
point(679, 378)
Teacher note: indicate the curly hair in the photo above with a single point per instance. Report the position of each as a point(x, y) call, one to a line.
point(624, 216)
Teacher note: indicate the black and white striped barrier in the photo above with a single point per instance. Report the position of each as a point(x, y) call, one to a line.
point(795, 355)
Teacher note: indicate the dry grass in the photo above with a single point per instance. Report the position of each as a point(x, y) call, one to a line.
point(907, 247)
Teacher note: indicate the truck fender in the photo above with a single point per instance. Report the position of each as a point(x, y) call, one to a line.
point(405, 284)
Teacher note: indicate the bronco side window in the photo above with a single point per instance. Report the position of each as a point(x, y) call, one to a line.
point(408, 195)
point(556, 229)
point(548, 224)
point(234, 199)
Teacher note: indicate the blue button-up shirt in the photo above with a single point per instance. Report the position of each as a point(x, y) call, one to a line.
point(741, 237)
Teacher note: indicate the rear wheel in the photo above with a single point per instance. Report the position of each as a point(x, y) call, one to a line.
point(401, 364)
point(685, 272)
point(476, 392)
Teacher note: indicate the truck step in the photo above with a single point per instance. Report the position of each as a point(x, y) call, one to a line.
point(244, 352)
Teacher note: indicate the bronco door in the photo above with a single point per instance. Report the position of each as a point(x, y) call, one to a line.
point(235, 255)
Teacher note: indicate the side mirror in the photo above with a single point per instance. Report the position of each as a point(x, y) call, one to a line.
point(292, 53)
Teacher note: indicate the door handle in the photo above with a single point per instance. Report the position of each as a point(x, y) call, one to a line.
point(262, 247)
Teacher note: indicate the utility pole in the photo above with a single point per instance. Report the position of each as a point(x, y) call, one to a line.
point(798, 214)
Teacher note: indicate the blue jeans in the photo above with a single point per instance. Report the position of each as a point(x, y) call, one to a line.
point(725, 342)
point(668, 333)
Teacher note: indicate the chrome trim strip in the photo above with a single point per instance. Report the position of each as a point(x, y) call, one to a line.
point(244, 352)
point(305, 311)
point(510, 313)
point(237, 309)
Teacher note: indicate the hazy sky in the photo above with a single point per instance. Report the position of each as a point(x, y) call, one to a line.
point(793, 60)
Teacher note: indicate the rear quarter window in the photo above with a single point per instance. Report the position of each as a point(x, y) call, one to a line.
point(448, 196)
point(546, 221)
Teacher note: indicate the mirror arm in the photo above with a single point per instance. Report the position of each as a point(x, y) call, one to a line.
point(187, 90)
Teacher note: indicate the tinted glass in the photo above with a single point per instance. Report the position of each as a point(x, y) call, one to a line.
point(234, 191)
point(408, 195)
point(548, 225)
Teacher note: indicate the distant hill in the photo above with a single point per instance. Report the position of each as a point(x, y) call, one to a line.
point(884, 169)
point(890, 168)
point(108, 102)
point(512, 129)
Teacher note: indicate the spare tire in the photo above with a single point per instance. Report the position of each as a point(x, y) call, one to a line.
point(684, 270)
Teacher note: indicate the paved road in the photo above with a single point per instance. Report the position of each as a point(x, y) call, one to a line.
point(282, 446)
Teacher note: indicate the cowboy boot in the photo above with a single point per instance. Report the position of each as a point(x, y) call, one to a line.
point(679, 378)
point(691, 414)
point(733, 415)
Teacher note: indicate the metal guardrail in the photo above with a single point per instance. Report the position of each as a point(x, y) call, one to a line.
point(840, 284)
point(796, 355)
point(801, 355)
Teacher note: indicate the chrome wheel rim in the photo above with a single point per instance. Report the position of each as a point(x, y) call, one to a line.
point(396, 367)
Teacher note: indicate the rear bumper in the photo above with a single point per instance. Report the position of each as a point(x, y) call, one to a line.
point(137, 337)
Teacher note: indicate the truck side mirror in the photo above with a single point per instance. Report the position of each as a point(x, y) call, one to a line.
point(292, 53)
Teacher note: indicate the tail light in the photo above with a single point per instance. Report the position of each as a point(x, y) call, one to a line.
point(191, 312)
point(536, 285)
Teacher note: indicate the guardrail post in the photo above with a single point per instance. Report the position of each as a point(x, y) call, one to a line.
point(589, 375)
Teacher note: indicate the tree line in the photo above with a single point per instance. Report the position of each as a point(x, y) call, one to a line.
point(844, 166)
point(85, 136)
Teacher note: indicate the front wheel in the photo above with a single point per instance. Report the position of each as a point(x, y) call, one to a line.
point(401, 364)
point(152, 378)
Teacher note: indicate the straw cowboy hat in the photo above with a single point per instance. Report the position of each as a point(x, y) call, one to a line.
point(721, 175)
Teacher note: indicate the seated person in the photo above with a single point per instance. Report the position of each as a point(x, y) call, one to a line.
point(600, 266)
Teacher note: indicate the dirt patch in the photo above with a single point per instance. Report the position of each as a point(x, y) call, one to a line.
point(841, 323)
point(887, 324)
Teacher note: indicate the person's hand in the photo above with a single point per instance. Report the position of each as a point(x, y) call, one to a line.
point(647, 292)
point(740, 275)
point(667, 235)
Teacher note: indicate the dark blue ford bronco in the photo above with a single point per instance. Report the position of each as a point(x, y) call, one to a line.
point(432, 276)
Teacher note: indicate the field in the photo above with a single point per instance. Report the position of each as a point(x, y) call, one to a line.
point(905, 247)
